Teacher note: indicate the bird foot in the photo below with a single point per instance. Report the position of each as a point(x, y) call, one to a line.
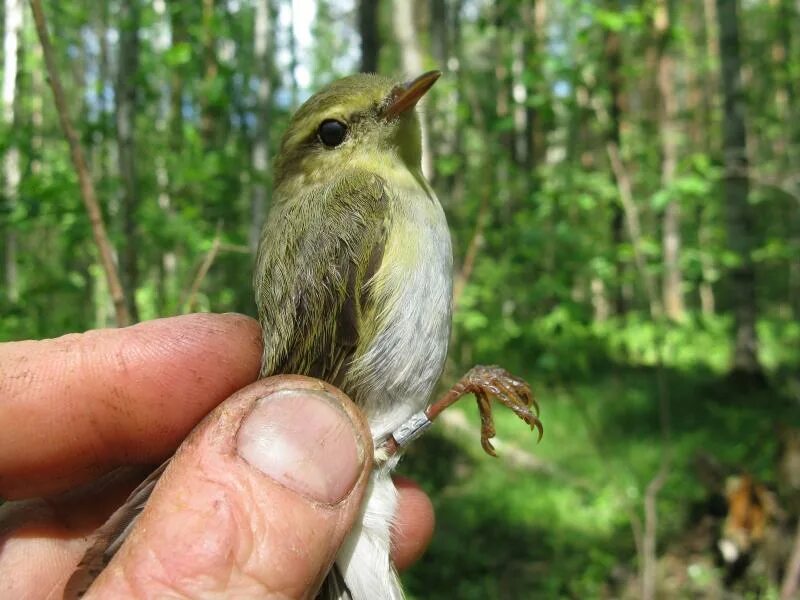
point(489, 383)
point(486, 383)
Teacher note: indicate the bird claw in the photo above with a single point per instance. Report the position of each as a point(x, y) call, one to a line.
point(489, 383)
point(486, 383)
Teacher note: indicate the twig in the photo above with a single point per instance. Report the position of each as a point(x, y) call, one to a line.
point(631, 211)
point(633, 225)
point(87, 188)
point(788, 184)
point(238, 248)
point(792, 575)
point(650, 535)
point(649, 539)
point(636, 532)
point(208, 260)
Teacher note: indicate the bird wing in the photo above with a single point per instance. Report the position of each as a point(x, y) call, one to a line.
point(109, 537)
point(317, 254)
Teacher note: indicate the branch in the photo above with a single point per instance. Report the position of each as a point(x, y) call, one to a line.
point(87, 189)
point(208, 260)
point(631, 211)
point(788, 184)
point(237, 248)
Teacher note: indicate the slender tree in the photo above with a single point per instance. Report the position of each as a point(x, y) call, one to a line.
point(125, 88)
point(411, 58)
point(740, 217)
point(294, 59)
point(668, 129)
point(370, 35)
point(209, 100)
point(263, 48)
point(11, 159)
point(88, 193)
point(612, 51)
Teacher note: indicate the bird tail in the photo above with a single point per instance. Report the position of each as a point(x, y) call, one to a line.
point(335, 587)
point(107, 540)
point(363, 569)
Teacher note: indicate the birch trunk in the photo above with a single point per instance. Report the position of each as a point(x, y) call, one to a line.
point(672, 284)
point(11, 159)
point(263, 47)
point(412, 63)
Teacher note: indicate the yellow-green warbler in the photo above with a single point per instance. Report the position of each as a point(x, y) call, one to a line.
point(353, 283)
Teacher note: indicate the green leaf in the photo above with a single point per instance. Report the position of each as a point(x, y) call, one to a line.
point(179, 54)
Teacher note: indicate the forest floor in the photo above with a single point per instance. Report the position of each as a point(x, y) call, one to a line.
point(557, 519)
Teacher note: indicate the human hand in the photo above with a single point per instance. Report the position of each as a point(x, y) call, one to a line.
point(234, 513)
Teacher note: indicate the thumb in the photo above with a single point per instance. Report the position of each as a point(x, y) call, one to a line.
point(255, 503)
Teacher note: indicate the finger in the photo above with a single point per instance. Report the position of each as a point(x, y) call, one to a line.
point(256, 502)
point(77, 406)
point(41, 540)
point(45, 539)
point(414, 524)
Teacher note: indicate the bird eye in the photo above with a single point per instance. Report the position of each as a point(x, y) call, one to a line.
point(332, 132)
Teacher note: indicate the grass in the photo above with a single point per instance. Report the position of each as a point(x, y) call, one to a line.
point(509, 532)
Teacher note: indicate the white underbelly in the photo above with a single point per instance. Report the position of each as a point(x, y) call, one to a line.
point(407, 355)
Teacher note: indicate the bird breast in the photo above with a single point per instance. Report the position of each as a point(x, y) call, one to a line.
point(412, 289)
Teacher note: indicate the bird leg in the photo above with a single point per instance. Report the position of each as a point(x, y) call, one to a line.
point(486, 383)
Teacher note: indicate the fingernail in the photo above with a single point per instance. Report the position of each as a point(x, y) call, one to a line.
point(305, 441)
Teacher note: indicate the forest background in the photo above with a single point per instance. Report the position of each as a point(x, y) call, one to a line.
point(622, 180)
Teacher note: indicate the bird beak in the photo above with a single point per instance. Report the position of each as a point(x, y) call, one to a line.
point(405, 96)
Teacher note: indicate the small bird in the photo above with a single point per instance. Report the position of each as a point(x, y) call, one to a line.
point(353, 284)
point(353, 280)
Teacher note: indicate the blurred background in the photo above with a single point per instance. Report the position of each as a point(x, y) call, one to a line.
point(622, 180)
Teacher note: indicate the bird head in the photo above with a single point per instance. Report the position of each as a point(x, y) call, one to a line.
point(363, 120)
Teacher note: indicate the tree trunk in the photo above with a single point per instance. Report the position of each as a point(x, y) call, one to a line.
point(667, 116)
point(702, 107)
point(208, 106)
point(440, 40)
point(787, 146)
point(370, 35)
point(180, 36)
point(740, 217)
point(263, 48)
point(707, 301)
point(163, 39)
point(535, 20)
point(454, 182)
point(11, 159)
point(613, 58)
point(127, 68)
point(520, 98)
point(411, 55)
point(293, 59)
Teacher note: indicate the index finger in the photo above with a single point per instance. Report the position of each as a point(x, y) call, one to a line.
point(75, 407)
